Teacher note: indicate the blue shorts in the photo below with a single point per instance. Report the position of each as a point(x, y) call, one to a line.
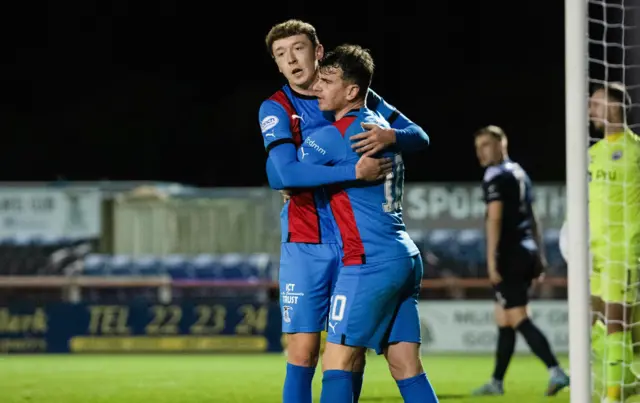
point(307, 275)
point(376, 304)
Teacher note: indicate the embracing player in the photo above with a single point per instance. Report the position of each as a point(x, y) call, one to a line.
point(310, 253)
point(375, 299)
point(514, 258)
point(614, 219)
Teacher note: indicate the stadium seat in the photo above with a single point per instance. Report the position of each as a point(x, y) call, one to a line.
point(120, 265)
point(5, 250)
point(46, 255)
point(95, 265)
point(234, 267)
point(258, 266)
point(206, 267)
point(34, 257)
point(147, 266)
point(552, 247)
point(178, 267)
point(470, 246)
point(442, 242)
point(17, 256)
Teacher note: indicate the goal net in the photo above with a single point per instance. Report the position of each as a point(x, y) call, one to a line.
point(614, 195)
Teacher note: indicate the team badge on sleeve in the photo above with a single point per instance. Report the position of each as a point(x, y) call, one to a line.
point(492, 191)
point(269, 123)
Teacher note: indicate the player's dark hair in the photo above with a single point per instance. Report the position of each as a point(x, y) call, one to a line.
point(355, 62)
point(616, 92)
point(291, 28)
point(494, 131)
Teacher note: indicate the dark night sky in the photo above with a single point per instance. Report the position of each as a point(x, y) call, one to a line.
point(164, 91)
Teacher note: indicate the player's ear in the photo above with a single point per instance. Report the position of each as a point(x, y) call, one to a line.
point(319, 52)
point(352, 92)
point(616, 110)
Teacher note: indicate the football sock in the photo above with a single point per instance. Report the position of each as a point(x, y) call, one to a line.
point(357, 385)
point(337, 387)
point(504, 351)
point(417, 390)
point(537, 342)
point(297, 384)
point(619, 355)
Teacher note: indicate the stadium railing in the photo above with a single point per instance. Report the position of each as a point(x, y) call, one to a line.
point(71, 286)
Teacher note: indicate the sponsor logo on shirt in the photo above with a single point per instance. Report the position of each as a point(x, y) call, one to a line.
point(268, 123)
point(313, 145)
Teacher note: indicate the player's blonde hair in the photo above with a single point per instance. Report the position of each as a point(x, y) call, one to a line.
point(495, 132)
point(291, 28)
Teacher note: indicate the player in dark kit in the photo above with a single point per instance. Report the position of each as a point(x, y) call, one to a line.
point(514, 258)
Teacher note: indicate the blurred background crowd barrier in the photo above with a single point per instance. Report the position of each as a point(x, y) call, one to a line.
point(131, 267)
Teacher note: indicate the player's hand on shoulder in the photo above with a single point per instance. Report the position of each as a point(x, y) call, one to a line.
point(375, 139)
point(286, 195)
point(373, 169)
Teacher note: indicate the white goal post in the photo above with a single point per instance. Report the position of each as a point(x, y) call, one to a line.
point(602, 45)
point(577, 142)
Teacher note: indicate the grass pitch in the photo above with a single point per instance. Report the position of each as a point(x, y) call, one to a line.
point(238, 378)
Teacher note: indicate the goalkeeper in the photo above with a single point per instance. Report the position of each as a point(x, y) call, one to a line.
point(614, 219)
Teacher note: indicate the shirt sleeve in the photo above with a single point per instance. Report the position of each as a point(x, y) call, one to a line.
point(274, 124)
point(272, 175)
point(493, 185)
point(325, 147)
point(409, 136)
point(294, 173)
